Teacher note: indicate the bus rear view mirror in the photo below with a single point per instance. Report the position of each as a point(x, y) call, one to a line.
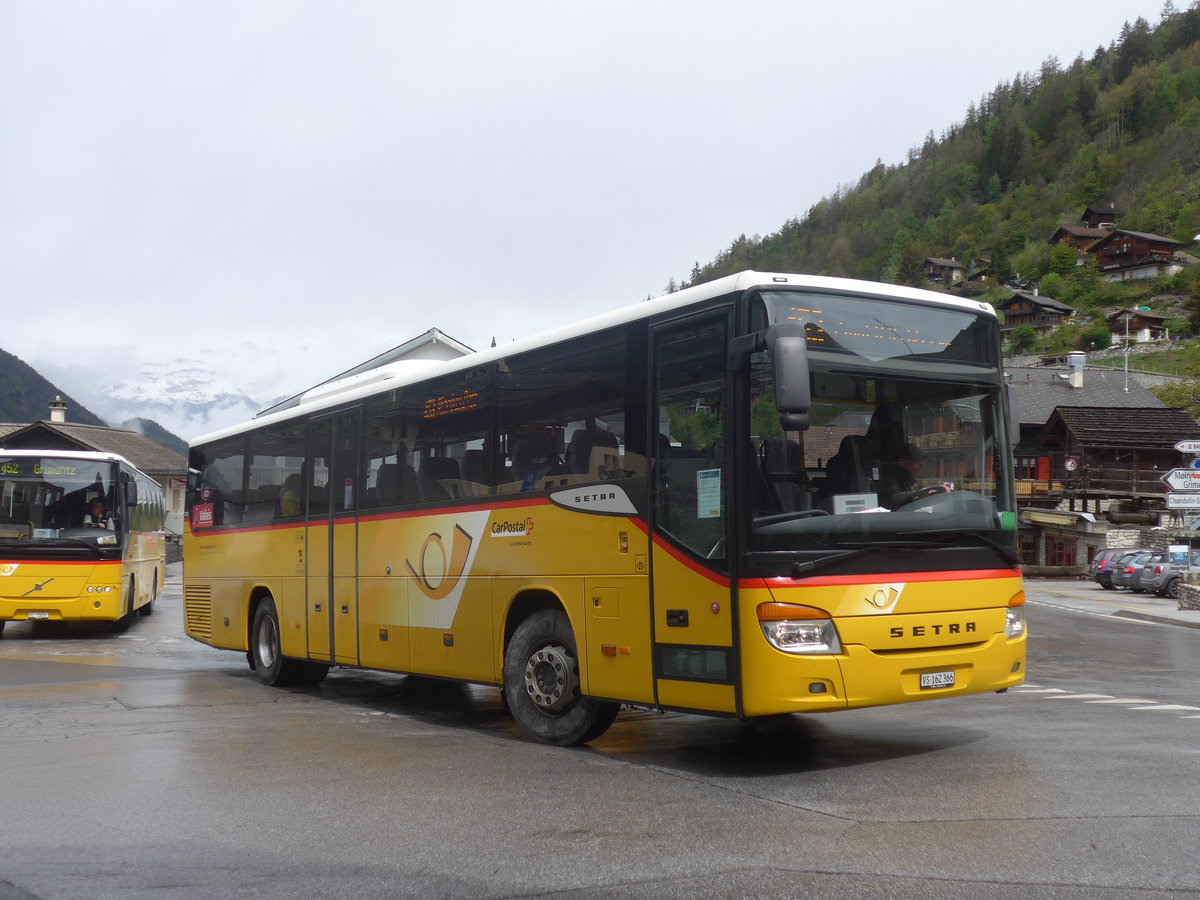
point(793, 395)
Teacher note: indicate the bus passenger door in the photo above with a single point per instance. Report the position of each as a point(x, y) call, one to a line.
point(695, 660)
point(332, 539)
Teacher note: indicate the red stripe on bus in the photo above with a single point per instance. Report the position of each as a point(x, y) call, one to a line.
point(699, 569)
point(907, 577)
point(60, 562)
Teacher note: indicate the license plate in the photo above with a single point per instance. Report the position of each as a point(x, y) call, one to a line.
point(937, 679)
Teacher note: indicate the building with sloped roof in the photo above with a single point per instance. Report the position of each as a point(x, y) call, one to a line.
point(1093, 447)
point(165, 466)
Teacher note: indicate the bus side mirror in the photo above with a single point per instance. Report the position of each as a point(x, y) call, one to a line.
point(131, 493)
point(793, 393)
point(1014, 418)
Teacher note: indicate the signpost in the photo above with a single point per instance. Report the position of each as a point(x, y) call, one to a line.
point(1183, 501)
point(1182, 479)
point(1183, 485)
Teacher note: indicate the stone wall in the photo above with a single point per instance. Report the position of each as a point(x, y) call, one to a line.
point(1189, 596)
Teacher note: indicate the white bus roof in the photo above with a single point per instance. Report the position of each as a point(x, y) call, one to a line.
point(400, 373)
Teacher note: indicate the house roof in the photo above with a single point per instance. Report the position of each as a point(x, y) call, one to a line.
point(151, 458)
point(1077, 231)
point(1102, 211)
point(1117, 233)
point(1141, 427)
point(944, 263)
point(1151, 318)
point(1039, 390)
point(1038, 300)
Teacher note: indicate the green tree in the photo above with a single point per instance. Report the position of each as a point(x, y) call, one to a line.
point(1051, 285)
point(1002, 269)
point(1024, 339)
point(1184, 395)
point(911, 270)
point(1062, 259)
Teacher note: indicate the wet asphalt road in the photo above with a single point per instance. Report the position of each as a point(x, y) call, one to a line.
point(142, 764)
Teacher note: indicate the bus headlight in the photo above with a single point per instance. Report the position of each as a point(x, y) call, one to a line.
point(1014, 621)
point(793, 628)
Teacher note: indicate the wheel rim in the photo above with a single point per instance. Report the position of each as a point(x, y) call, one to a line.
point(550, 678)
point(268, 640)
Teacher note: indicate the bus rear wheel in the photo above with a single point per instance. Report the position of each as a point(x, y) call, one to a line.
point(266, 652)
point(541, 684)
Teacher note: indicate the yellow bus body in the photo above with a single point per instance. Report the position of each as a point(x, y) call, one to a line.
point(83, 590)
point(408, 599)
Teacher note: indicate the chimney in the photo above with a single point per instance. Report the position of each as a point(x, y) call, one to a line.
point(1075, 360)
point(58, 410)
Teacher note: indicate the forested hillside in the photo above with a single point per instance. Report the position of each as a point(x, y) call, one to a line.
point(1121, 128)
point(26, 396)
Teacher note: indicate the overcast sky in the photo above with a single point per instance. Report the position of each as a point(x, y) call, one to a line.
point(276, 191)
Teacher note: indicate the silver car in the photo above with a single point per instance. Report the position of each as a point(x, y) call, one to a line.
point(1127, 571)
point(1160, 576)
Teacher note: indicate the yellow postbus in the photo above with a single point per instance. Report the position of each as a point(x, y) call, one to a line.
point(763, 495)
point(81, 537)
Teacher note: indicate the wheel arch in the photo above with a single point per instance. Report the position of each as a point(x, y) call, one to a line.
point(525, 603)
point(258, 593)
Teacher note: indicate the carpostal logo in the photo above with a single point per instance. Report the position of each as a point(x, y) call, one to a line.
point(517, 528)
point(437, 572)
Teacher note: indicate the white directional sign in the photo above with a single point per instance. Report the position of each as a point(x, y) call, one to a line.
point(1183, 501)
point(1182, 479)
point(1188, 446)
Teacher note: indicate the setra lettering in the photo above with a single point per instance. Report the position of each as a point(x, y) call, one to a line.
point(602, 497)
point(937, 630)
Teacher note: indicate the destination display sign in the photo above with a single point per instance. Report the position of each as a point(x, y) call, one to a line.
point(1182, 479)
point(1183, 501)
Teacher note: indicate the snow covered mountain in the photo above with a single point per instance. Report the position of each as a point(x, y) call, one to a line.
point(184, 396)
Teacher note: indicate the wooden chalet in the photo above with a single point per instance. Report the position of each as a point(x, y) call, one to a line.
point(943, 271)
point(1135, 326)
point(1043, 313)
point(1077, 236)
point(1102, 217)
point(1123, 255)
point(1115, 453)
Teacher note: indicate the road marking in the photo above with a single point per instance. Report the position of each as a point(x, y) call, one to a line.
point(1091, 698)
point(1125, 700)
point(1128, 702)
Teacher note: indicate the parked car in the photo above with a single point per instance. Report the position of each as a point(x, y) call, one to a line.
point(1136, 581)
point(1100, 569)
point(1129, 567)
point(1162, 577)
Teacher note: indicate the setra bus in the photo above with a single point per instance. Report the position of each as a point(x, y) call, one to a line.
point(81, 537)
point(763, 495)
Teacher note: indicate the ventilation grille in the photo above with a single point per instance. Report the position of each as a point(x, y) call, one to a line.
point(197, 610)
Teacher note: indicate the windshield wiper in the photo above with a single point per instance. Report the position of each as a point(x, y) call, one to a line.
point(859, 549)
point(1005, 552)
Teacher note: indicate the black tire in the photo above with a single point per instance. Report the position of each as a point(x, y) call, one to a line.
point(1106, 585)
point(1172, 590)
point(3, 622)
point(541, 684)
point(266, 654)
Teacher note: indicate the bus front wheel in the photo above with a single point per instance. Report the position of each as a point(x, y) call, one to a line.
point(541, 683)
point(266, 653)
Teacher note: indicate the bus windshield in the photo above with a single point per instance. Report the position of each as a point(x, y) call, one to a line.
point(48, 499)
point(906, 446)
